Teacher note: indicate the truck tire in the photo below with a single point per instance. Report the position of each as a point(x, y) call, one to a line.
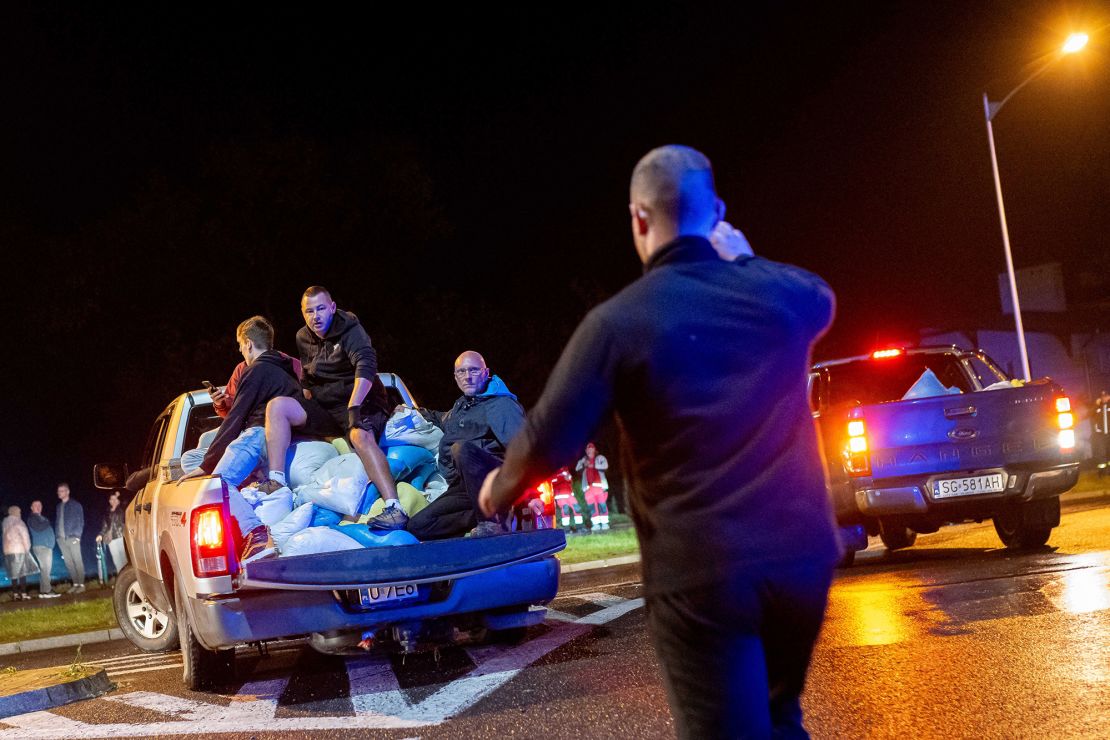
point(847, 559)
point(144, 625)
point(1027, 525)
point(202, 668)
point(895, 535)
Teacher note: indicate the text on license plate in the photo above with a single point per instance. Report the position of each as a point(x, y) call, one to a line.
point(968, 486)
point(393, 592)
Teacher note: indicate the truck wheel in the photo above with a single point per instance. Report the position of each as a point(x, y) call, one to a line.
point(145, 626)
point(895, 535)
point(1027, 525)
point(203, 668)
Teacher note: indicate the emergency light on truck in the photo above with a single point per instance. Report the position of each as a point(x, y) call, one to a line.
point(209, 549)
point(856, 459)
point(1066, 421)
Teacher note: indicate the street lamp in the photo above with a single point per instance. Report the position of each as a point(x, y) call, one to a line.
point(1074, 43)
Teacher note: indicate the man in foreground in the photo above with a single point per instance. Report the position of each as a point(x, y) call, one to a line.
point(476, 432)
point(342, 396)
point(705, 363)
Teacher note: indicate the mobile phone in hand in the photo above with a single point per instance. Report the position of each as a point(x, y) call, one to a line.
point(207, 384)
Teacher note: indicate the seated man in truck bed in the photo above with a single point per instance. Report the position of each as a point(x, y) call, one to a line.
point(476, 432)
point(240, 443)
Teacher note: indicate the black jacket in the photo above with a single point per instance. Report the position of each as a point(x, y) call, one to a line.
point(705, 363)
point(332, 363)
point(269, 376)
point(491, 418)
point(113, 524)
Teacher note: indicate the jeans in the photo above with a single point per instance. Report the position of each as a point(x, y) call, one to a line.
point(44, 556)
point(456, 512)
point(735, 654)
point(245, 453)
point(71, 556)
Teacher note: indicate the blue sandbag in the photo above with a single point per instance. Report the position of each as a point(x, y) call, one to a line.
point(324, 517)
point(361, 534)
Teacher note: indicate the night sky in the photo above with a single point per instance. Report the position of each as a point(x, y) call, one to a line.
point(461, 182)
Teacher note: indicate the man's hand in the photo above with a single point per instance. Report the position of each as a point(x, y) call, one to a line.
point(729, 242)
point(485, 496)
point(99, 539)
point(218, 394)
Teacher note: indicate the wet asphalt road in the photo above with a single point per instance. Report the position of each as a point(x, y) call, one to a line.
point(954, 637)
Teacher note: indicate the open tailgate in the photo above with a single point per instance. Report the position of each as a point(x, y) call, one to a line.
point(422, 563)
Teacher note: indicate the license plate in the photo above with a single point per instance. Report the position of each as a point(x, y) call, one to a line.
point(382, 594)
point(968, 486)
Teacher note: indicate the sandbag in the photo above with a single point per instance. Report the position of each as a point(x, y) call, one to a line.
point(434, 487)
point(408, 427)
point(928, 386)
point(339, 485)
point(366, 538)
point(307, 457)
point(324, 517)
point(298, 519)
point(316, 540)
point(274, 507)
point(411, 500)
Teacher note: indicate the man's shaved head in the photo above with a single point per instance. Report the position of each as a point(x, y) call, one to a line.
point(471, 373)
point(676, 184)
point(470, 357)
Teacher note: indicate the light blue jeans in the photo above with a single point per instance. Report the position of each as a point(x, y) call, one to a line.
point(245, 453)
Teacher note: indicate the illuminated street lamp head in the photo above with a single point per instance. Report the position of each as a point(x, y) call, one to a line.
point(1074, 43)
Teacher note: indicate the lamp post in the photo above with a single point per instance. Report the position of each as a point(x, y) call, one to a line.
point(1074, 43)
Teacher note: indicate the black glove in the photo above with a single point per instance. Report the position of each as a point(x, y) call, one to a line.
point(354, 418)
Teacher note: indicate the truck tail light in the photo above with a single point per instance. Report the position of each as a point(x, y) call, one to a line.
point(1065, 419)
point(886, 354)
point(856, 459)
point(210, 547)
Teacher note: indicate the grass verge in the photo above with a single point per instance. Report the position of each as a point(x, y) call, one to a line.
point(63, 619)
point(611, 543)
point(1089, 481)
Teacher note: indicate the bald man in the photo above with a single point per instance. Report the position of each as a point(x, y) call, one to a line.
point(476, 432)
point(705, 361)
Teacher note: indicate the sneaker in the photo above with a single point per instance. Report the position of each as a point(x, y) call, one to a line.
point(79, 588)
point(257, 545)
point(486, 529)
point(392, 517)
point(50, 595)
point(270, 486)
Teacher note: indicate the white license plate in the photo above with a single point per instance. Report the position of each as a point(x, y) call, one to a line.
point(382, 594)
point(968, 486)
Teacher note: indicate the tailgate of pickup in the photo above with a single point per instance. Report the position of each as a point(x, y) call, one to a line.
point(422, 563)
point(963, 432)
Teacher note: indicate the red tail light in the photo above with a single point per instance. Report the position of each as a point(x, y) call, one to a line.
point(885, 354)
point(210, 547)
point(856, 459)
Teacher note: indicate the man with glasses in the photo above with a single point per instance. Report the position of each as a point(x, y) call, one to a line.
point(476, 432)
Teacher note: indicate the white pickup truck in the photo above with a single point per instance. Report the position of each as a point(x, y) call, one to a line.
point(185, 584)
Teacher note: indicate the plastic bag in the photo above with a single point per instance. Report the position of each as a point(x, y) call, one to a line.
point(339, 485)
point(408, 427)
point(316, 540)
point(324, 517)
point(929, 385)
point(298, 519)
point(434, 487)
point(307, 457)
point(366, 538)
point(274, 507)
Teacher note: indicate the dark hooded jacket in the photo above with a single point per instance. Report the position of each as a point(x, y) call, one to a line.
point(492, 418)
point(332, 363)
point(269, 376)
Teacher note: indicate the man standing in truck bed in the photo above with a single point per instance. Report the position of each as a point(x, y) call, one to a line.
point(343, 395)
point(705, 363)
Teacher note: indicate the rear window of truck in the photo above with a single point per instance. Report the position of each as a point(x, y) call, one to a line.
point(878, 381)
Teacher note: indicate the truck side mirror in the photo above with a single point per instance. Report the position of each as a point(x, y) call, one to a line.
point(109, 476)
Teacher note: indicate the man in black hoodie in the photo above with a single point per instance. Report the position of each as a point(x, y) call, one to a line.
point(342, 396)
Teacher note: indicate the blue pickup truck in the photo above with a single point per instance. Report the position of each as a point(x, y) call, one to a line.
point(919, 438)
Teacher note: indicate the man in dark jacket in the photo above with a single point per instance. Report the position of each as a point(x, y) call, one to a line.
point(342, 396)
point(705, 362)
point(42, 547)
point(476, 432)
point(69, 524)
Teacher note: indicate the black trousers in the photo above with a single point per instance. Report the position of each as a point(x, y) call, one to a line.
point(735, 654)
point(456, 511)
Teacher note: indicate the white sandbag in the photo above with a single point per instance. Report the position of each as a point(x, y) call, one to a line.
point(307, 457)
point(339, 485)
point(408, 427)
point(434, 487)
point(316, 540)
point(928, 386)
point(296, 521)
point(272, 508)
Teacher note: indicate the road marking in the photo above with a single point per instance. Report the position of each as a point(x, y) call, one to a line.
point(376, 697)
point(115, 674)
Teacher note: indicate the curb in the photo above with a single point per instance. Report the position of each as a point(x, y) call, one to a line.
point(58, 641)
point(49, 697)
point(595, 564)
